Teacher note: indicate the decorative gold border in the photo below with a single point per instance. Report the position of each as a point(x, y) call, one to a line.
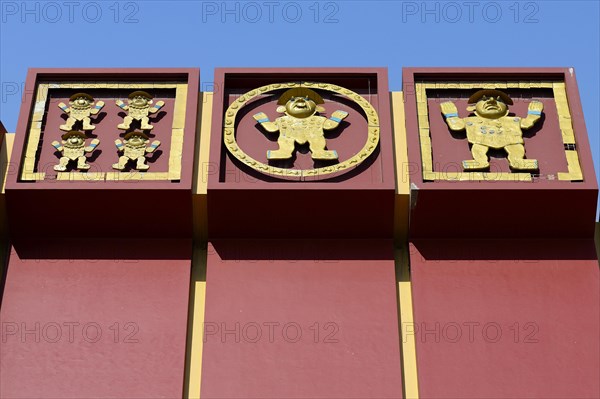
point(230, 140)
point(177, 134)
point(564, 118)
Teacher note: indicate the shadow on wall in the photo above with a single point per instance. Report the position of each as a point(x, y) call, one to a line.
point(597, 238)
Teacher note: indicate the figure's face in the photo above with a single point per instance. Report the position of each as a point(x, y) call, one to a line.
point(136, 140)
point(300, 107)
point(81, 102)
point(139, 101)
point(490, 107)
point(75, 141)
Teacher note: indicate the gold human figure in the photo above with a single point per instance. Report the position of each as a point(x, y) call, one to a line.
point(134, 149)
point(81, 106)
point(139, 106)
point(73, 149)
point(301, 125)
point(491, 127)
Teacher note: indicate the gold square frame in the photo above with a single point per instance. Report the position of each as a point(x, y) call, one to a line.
point(177, 133)
point(574, 172)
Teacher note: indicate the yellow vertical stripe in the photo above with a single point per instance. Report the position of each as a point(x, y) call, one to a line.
point(409, 354)
point(193, 375)
point(402, 199)
point(202, 178)
point(5, 169)
point(202, 167)
point(6, 149)
point(195, 344)
point(400, 145)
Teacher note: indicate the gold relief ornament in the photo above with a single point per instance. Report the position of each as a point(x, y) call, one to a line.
point(300, 124)
point(73, 149)
point(81, 107)
point(139, 106)
point(491, 127)
point(135, 149)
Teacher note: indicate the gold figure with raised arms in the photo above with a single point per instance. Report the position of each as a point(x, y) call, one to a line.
point(139, 106)
point(73, 149)
point(301, 125)
point(135, 149)
point(81, 107)
point(491, 127)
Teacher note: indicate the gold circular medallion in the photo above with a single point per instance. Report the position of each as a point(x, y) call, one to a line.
point(229, 135)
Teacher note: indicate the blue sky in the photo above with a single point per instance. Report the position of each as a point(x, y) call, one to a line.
point(209, 34)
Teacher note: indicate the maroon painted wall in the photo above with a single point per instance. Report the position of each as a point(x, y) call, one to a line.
point(285, 287)
point(506, 318)
point(110, 319)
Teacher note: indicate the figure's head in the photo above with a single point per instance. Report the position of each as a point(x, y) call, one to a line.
point(136, 138)
point(74, 138)
point(81, 100)
point(140, 99)
point(300, 102)
point(491, 104)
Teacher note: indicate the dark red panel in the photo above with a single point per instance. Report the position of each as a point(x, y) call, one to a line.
point(106, 208)
point(317, 213)
point(345, 290)
point(159, 213)
point(506, 319)
point(471, 211)
point(269, 204)
point(545, 207)
point(135, 293)
point(190, 76)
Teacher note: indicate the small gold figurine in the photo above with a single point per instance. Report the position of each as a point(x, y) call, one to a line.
point(300, 124)
point(73, 149)
point(81, 107)
point(134, 149)
point(139, 106)
point(491, 127)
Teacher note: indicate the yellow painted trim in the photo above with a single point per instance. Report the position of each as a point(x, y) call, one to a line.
point(407, 325)
point(195, 342)
point(41, 97)
point(176, 153)
point(78, 176)
point(402, 197)
point(5, 151)
point(7, 146)
point(116, 85)
point(477, 176)
point(202, 168)
point(568, 135)
point(400, 146)
point(136, 175)
point(575, 173)
point(207, 104)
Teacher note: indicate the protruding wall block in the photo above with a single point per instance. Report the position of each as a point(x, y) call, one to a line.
point(85, 134)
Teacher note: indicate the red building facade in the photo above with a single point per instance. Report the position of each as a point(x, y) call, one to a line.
point(299, 233)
